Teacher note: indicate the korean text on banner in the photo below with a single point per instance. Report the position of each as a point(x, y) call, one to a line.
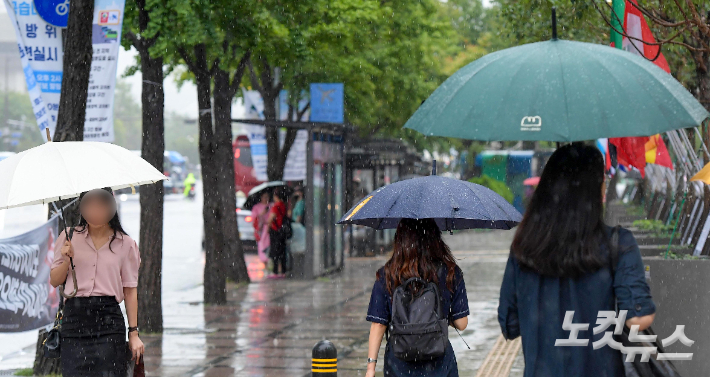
point(27, 300)
point(41, 53)
point(106, 40)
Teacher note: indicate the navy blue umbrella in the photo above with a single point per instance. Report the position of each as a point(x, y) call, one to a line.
point(453, 203)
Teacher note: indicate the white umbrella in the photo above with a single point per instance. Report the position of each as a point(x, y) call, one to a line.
point(54, 171)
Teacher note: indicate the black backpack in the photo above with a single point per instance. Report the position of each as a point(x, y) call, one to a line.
point(418, 330)
point(286, 228)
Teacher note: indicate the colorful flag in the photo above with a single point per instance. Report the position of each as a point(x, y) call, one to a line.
point(703, 175)
point(631, 152)
point(635, 25)
point(603, 145)
point(657, 153)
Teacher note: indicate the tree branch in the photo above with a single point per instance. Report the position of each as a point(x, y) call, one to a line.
point(135, 41)
point(301, 113)
point(252, 76)
point(186, 57)
point(237, 79)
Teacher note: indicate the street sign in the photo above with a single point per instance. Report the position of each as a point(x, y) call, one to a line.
point(327, 103)
point(54, 12)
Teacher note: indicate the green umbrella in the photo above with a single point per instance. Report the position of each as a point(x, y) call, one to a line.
point(557, 91)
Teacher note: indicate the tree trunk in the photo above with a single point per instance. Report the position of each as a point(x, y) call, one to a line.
point(215, 271)
point(150, 313)
point(236, 268)
point(78, 53)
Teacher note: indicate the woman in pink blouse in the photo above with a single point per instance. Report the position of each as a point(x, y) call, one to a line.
point(106, 260)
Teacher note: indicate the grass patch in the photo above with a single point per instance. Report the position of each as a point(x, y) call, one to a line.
point(24, 372)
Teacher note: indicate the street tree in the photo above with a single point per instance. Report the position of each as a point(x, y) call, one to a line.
point(386, 54)
point(213, 51)
point(142, 28)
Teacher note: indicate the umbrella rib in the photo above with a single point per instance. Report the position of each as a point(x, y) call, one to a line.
point(564, 90)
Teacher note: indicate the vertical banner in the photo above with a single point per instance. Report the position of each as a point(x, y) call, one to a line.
point(106, 40)
point(295, 169)
point(27, 300)
point(257, 144)
point(41, 53)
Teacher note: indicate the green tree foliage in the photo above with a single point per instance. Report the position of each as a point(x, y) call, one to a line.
point(497, 186)
point(17, 107)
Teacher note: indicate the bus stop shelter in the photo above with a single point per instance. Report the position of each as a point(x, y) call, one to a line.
point(324, 189)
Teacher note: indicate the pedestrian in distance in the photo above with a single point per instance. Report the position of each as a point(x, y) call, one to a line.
point(277, 236)
point(260, 214)
point(421, 276)
point(560, 262)
point(106, 260)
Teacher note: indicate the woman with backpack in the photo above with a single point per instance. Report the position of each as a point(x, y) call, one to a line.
point(420, 269)
point(560, 262)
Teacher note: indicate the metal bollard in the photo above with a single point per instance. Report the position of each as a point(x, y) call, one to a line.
point(325, 360)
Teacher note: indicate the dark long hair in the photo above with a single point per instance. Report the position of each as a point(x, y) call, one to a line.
point(562, 229)
point(114, 223)
point(418, 252)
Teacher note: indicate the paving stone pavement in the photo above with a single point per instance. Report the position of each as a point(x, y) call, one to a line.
point(269, 327)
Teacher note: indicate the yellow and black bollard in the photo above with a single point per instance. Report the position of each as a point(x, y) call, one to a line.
point(325, 360)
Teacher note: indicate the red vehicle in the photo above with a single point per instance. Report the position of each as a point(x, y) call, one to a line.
point(244, 176)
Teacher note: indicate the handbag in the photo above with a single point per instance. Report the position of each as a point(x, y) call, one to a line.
point(653, 367)
point(52, 342)
point(135, 370)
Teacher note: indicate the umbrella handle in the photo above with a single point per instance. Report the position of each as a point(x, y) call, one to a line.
point(73, 278)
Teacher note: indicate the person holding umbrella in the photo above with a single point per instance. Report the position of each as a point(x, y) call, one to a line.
point(418, 252)
point(277, 236)
point(106, 264)
point(560, 262)
point(420, 291)
point(260, 212)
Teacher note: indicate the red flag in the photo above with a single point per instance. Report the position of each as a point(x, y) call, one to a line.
point(635, 25)
point(631, 151)
point(657, 153)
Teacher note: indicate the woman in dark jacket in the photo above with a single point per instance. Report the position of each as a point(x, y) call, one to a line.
point(419, 252)
point(559, 262)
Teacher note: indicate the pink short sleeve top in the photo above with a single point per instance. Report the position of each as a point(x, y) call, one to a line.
point(102, 272)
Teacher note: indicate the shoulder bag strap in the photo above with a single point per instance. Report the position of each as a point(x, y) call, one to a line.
point(614, 259)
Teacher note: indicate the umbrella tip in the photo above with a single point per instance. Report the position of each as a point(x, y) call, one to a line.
point(49, 138)
point(554, 23)
point(433, 167)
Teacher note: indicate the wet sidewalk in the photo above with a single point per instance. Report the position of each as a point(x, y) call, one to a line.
point(269, 327)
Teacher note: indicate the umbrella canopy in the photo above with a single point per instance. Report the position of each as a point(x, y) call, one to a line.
point(54, 171)
point(255, 193)
point(557, 91)
point(453, 203)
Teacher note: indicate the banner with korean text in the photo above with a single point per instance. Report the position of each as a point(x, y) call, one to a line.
point(27, 300)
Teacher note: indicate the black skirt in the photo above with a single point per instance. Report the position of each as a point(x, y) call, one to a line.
point(93, 338)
